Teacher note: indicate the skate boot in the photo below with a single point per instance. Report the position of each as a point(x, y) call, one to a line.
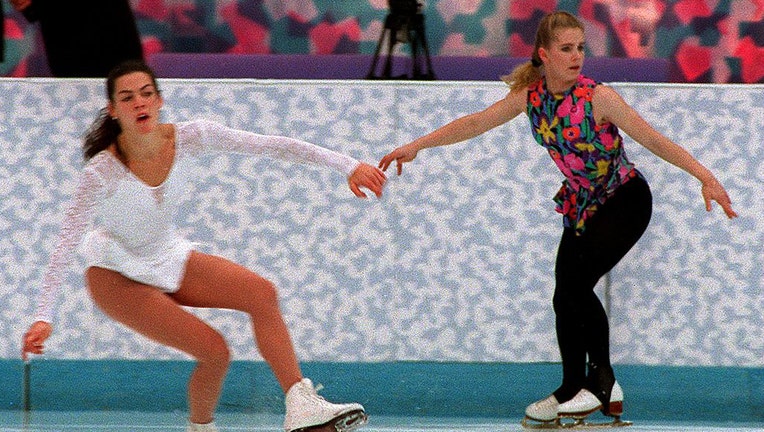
point(584, 403)
point(208, 427)
point(306, 411)
point(542, 414)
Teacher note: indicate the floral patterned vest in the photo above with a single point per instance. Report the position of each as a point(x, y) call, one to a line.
point(590, 156)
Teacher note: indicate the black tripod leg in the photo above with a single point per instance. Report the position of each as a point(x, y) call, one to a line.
point(416, 69)
point(373, 69)
point(388, 70)
point(420, 29)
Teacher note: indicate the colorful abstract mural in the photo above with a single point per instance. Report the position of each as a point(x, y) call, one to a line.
point(718, 41)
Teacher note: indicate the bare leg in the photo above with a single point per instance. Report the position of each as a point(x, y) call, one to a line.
point(215, 282)
point(209, 282)
point(155, 315)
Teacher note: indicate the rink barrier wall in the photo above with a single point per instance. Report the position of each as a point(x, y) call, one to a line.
point(416, 389)
point(454, 263)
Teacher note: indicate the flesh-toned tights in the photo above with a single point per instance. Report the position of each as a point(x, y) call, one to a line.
point(209, 282)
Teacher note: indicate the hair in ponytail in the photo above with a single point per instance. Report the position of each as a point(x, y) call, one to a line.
point(101, 134)
point(529, 72)
point(522, 76)
point(105, 129)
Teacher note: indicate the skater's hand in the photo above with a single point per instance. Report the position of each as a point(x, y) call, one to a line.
point(369, 177)
point(713, 190)
point(35, 337)
point(400, 155)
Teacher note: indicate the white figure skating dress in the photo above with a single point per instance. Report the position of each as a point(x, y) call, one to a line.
point(123, 224)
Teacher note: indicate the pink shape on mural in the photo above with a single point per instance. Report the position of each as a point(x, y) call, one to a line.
point(12, 30)
point(518, 48)
point(525, 9)
point(251, 37)
point(154, 9)
point(686, 10)
point(325, 36)
point(751, 59)
point(693, 60)
point(151, 45)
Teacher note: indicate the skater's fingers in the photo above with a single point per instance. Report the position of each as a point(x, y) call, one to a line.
point(373, 183)
point(35, 337)
point(368, 177)
point(400, 156)
point(32, 347)
point(388, 159)
point(356, 190)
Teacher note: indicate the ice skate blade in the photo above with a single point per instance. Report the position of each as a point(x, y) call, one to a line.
point(344, 423)
point(529, 423)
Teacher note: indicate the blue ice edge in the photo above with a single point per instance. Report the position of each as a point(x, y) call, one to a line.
point(420, 389)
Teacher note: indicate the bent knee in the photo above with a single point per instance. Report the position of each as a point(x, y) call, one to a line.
point(566, 303)
point(214, 350)
point(264, 294)
point(268, 292)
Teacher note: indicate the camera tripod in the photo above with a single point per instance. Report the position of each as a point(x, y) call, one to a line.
point(403, 27)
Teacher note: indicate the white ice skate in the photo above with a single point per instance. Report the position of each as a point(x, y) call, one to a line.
point(209, 427)
point(585, 403)
point(306, 411)
point(548, 414)
point(542, 414)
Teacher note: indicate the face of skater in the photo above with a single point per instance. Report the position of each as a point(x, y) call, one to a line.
point(135, 102)
point(563, 58)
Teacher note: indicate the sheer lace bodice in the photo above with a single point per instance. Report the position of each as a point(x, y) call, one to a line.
point(138, 218)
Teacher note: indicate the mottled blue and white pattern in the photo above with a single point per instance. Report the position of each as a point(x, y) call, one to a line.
point(454, 263)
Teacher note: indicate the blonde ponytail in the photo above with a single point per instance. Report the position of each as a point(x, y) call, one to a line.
point(522, 76)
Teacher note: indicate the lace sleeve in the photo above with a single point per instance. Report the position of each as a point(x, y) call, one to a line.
point(203, 135)
point(75, 223)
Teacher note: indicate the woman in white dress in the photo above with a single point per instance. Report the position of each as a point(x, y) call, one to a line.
point(141, 272)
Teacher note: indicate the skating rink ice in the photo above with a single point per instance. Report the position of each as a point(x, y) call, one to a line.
point(92, 421)
point(69, 396)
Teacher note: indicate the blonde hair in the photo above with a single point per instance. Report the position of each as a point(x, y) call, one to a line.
point(529, 72)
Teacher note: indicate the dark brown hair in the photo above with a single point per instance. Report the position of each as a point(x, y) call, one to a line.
point(529, 72)
point(105, 130)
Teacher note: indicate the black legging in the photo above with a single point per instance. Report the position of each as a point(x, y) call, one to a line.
point(581, 321)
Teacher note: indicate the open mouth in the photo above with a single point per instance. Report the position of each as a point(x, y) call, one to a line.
point(142, 118)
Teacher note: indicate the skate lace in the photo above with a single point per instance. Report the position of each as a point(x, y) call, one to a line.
point(314, 397)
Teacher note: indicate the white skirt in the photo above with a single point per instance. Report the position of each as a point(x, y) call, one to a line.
point(163, 268)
